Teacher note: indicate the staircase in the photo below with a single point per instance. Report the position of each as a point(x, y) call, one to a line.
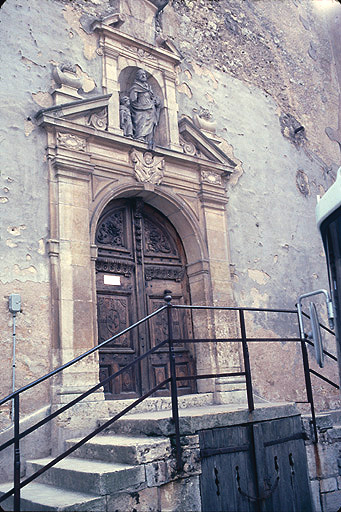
point(132, 464)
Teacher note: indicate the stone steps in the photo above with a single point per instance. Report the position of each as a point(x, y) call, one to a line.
point(90, 476)
point(123, 449)
point(191, 420)
point(130, 457)
point(37, 497)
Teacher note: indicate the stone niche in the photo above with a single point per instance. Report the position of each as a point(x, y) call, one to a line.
point(122, 57)
point(93, 162)
point(126, 80)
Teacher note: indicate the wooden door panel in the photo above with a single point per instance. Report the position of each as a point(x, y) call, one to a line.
point(125, 385)
point(159, 324)
point(159, 332)
point(142, 252)
point(113, 317)
point(253, 467)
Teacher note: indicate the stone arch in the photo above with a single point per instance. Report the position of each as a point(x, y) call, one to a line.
point(172, 207)
point(193, 240)
point(126, 79)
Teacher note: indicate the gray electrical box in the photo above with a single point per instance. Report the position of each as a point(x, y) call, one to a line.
point(14, 303)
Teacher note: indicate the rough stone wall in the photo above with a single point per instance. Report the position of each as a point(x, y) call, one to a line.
point(324, 462)
point(261, 73)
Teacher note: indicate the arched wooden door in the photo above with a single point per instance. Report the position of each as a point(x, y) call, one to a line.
point(139, 256)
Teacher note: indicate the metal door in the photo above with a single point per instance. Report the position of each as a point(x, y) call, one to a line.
point(255, 467)
point(139, 256)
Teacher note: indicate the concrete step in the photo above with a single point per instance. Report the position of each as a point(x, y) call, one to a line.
point(160, 423)
point(83, 475)
point(37, 497)
point(123, 449)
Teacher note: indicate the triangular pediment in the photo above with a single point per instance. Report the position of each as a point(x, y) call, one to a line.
point(196, 143)
point(86, 112)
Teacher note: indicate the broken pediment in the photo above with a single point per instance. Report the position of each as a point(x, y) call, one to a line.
point(195, 143)
point(86, 112)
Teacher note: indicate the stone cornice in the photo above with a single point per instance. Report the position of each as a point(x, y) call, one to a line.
point(48, 120)
point(125, 41)
point(74, 107)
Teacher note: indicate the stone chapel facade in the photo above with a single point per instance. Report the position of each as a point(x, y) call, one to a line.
point(216, 206)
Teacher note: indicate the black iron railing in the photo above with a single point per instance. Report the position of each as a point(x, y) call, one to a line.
point(172, 380)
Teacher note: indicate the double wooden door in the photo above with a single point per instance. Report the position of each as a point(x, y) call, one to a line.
point(255, 467)
point(140, 255)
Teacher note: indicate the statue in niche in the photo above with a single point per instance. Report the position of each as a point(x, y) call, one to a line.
point(126, 123)
point(145, 109)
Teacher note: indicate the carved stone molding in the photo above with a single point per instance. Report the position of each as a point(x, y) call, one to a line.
point(163, 272)
point(93, 252)
point(99, 120)
point(69, 141)
point(140, 53)
point(189, 148)
point(211, 177)
point(52, 248)
point(114, 267)
point(148, 168)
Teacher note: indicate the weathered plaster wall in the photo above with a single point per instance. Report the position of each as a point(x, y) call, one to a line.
point(35, 36)
point(261, 73)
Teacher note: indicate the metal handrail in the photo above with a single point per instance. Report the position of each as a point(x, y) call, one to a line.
point(79, 358)
point(172, 380)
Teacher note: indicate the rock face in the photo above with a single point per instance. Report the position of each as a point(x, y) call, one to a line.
point(255, 90)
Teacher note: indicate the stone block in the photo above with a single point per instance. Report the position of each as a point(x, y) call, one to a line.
point(181, 496)
point(315, 494)
point(322, 461)
point(331, 501)
point(144, 500)
point(328, 485)
point(160, 472)
point(324, 422)
point(334, 434)
point(191, 460)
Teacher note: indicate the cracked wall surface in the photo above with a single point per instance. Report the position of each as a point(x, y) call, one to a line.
point(261, 74)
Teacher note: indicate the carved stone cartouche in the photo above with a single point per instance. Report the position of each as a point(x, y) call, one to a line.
point(148, 168)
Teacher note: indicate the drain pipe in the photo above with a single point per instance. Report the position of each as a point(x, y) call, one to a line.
point(14, 305)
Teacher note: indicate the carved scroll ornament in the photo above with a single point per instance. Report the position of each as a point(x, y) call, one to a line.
point(99, 119)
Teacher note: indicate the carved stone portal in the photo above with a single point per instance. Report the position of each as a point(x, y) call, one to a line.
point(148, 168)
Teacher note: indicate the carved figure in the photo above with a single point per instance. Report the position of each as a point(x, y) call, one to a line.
point(148, 168)
point(126, 123)
point(145, 109)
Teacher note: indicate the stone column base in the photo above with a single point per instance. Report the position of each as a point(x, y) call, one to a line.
point(230, 390)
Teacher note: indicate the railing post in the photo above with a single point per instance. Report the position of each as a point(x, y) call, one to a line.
point(174, 390)
point(306, 370)
point(16, 468)
point(247, 367)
